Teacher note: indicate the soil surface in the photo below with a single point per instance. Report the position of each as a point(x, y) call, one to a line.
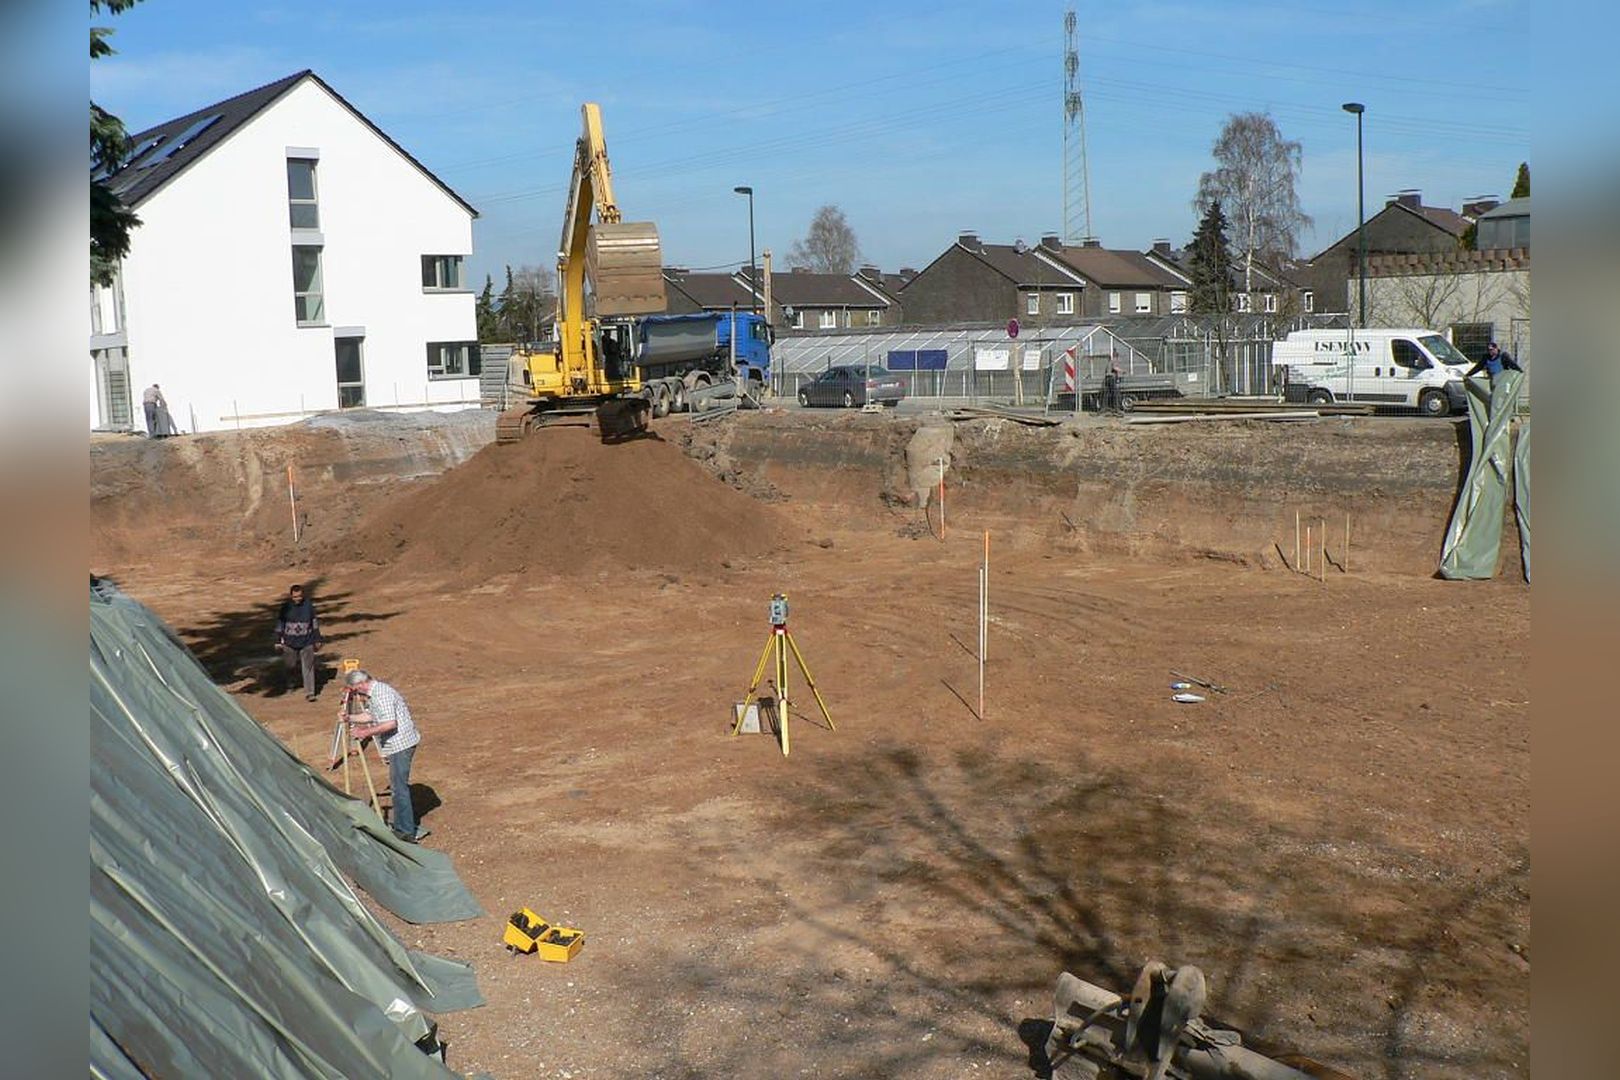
point(1340, 839)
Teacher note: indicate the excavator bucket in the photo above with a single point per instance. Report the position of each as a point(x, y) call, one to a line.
point(625, 264)
point(622, 418)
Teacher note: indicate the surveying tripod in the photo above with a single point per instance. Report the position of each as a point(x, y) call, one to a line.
point(344, 744)
point(779, 644)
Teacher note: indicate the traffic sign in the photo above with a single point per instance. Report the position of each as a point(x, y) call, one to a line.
point(1012, 327)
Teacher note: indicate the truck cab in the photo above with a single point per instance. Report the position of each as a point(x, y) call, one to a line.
point(1414, 369)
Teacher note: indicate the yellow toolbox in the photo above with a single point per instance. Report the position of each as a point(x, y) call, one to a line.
point(527, 932)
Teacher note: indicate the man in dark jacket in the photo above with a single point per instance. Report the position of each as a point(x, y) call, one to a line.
point(298, 635)
point(1494, 362)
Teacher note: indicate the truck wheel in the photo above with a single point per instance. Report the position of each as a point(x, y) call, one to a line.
point(849, 400)
point(677, 396)
point(660, 402)
point(1433, 403)
point(1127, 402)
point(1319, 397)
point(804, 400)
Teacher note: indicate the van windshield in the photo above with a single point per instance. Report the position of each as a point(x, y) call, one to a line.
point(1443, 350)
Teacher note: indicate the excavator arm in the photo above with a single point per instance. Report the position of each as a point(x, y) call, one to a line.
point(605, 267)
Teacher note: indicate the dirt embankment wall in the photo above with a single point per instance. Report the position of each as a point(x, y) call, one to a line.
point(1227, 490)
point(183, 496)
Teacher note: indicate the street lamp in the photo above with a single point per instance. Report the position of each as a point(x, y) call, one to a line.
point(1358, 108)
point(753, 282)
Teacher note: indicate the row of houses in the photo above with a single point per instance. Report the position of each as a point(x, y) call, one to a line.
point(294, 259)
point(1053, 283)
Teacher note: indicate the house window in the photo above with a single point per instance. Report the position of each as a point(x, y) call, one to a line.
point(874, 317)
point(1144, 303)
point(441, 272)
point(309, 306)
point(1471, 338)
point(1032, 304)
point(1308, 300)
point(1065, 303)
point(1178, 303)
point(351, 382)
point(1271, 301)
point(829, 320)
point(1113, 303)
point(1243, 302)
point(301, 207)
point(453, 359)
point(798, 320)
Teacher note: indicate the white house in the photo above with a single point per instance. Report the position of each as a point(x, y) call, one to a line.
point(292, 258)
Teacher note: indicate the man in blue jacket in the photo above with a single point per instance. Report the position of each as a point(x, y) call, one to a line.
point(298, 635)
point(1494, 362)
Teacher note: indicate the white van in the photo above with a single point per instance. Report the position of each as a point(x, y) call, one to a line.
point(1412, 369)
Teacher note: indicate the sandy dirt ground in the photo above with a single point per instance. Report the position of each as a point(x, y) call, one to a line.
point(1340, 840)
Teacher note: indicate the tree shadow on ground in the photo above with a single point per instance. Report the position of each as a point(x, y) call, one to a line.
point(237, 648)
point(966, 887)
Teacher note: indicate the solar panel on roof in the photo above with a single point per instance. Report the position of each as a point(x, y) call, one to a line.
point(174, 145)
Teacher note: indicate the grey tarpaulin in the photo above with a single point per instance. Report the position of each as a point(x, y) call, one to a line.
point(224, 938)
point(1474, 538)
point(1521, 494)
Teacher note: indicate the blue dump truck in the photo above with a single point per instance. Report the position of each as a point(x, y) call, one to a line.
point(689, 361)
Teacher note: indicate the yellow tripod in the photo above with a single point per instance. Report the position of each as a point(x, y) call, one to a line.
point(779, 644)
point(345, 745)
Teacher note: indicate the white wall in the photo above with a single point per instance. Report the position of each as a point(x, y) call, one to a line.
point(208, 282)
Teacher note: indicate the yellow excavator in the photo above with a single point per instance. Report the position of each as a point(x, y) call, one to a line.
point(605, 268)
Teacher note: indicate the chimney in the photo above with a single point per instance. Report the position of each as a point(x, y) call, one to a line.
point(1091, 242)
point(1411, 198)
point(970, 240)
point(870, 273)
point(1052, 242)
point(1476, 205)
point(675, 273)
point(1161, 246)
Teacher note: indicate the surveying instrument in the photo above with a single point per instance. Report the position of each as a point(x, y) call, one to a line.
point(344, 744)
point(779, 644)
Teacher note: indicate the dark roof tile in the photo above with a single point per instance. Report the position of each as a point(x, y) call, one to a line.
point(168, 149)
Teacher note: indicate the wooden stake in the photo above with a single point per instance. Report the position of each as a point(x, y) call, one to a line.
point(1307, 549)
point(1324, 551)
point(942, 498)
point(292, 497)
point(1347, 543)
point(984, 617)
point(1296, 541)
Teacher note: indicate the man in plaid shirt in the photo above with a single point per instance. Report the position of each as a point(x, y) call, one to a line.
point(388, 720)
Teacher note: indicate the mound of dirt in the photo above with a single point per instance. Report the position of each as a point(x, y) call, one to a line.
point(561, 502)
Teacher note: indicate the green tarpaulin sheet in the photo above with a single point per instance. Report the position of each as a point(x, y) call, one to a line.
point(225, 938)
point(1474, 538)
point(1521, 494)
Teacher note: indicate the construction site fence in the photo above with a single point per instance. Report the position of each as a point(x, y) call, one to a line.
point(988, 363)
point(1203, 357)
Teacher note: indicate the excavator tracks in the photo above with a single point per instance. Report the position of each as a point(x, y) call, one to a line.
point(514, 424)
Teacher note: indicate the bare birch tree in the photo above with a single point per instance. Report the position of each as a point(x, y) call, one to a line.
point(829, 247)
point(1254, 176)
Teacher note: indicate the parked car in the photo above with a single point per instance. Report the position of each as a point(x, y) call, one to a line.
point(850, 385)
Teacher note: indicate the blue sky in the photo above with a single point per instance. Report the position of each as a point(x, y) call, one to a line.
point(918, 120)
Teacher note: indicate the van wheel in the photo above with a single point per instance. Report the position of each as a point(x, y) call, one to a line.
point(1319, 397)
point(1433, 403)
point(849, 400)
point(804, 400)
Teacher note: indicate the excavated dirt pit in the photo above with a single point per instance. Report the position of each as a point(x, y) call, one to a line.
point(1340, 840)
